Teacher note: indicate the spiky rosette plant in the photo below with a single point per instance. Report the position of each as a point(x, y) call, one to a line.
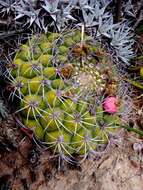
point(57, 78)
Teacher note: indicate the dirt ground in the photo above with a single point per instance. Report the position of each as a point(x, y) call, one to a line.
point(23, 166)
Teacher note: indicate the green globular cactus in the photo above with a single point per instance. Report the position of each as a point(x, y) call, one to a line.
point(55, 96)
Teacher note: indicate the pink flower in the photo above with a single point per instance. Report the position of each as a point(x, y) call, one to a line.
point(110, 105)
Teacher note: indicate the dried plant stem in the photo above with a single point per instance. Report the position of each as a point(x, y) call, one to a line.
point(82, 33)
point(118, 4)
point(82, 38)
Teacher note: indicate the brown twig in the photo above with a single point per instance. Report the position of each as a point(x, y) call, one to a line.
point(118, 8)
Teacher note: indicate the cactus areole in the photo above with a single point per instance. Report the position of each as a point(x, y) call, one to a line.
point(56, 79)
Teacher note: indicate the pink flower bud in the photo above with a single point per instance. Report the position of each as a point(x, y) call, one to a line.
point(110, 105)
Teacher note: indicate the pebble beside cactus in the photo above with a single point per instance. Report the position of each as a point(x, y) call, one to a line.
point(56, 78)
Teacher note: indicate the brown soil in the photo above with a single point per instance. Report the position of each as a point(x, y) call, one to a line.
point(23, 166)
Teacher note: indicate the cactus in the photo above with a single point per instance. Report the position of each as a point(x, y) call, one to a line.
point(55, 94)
